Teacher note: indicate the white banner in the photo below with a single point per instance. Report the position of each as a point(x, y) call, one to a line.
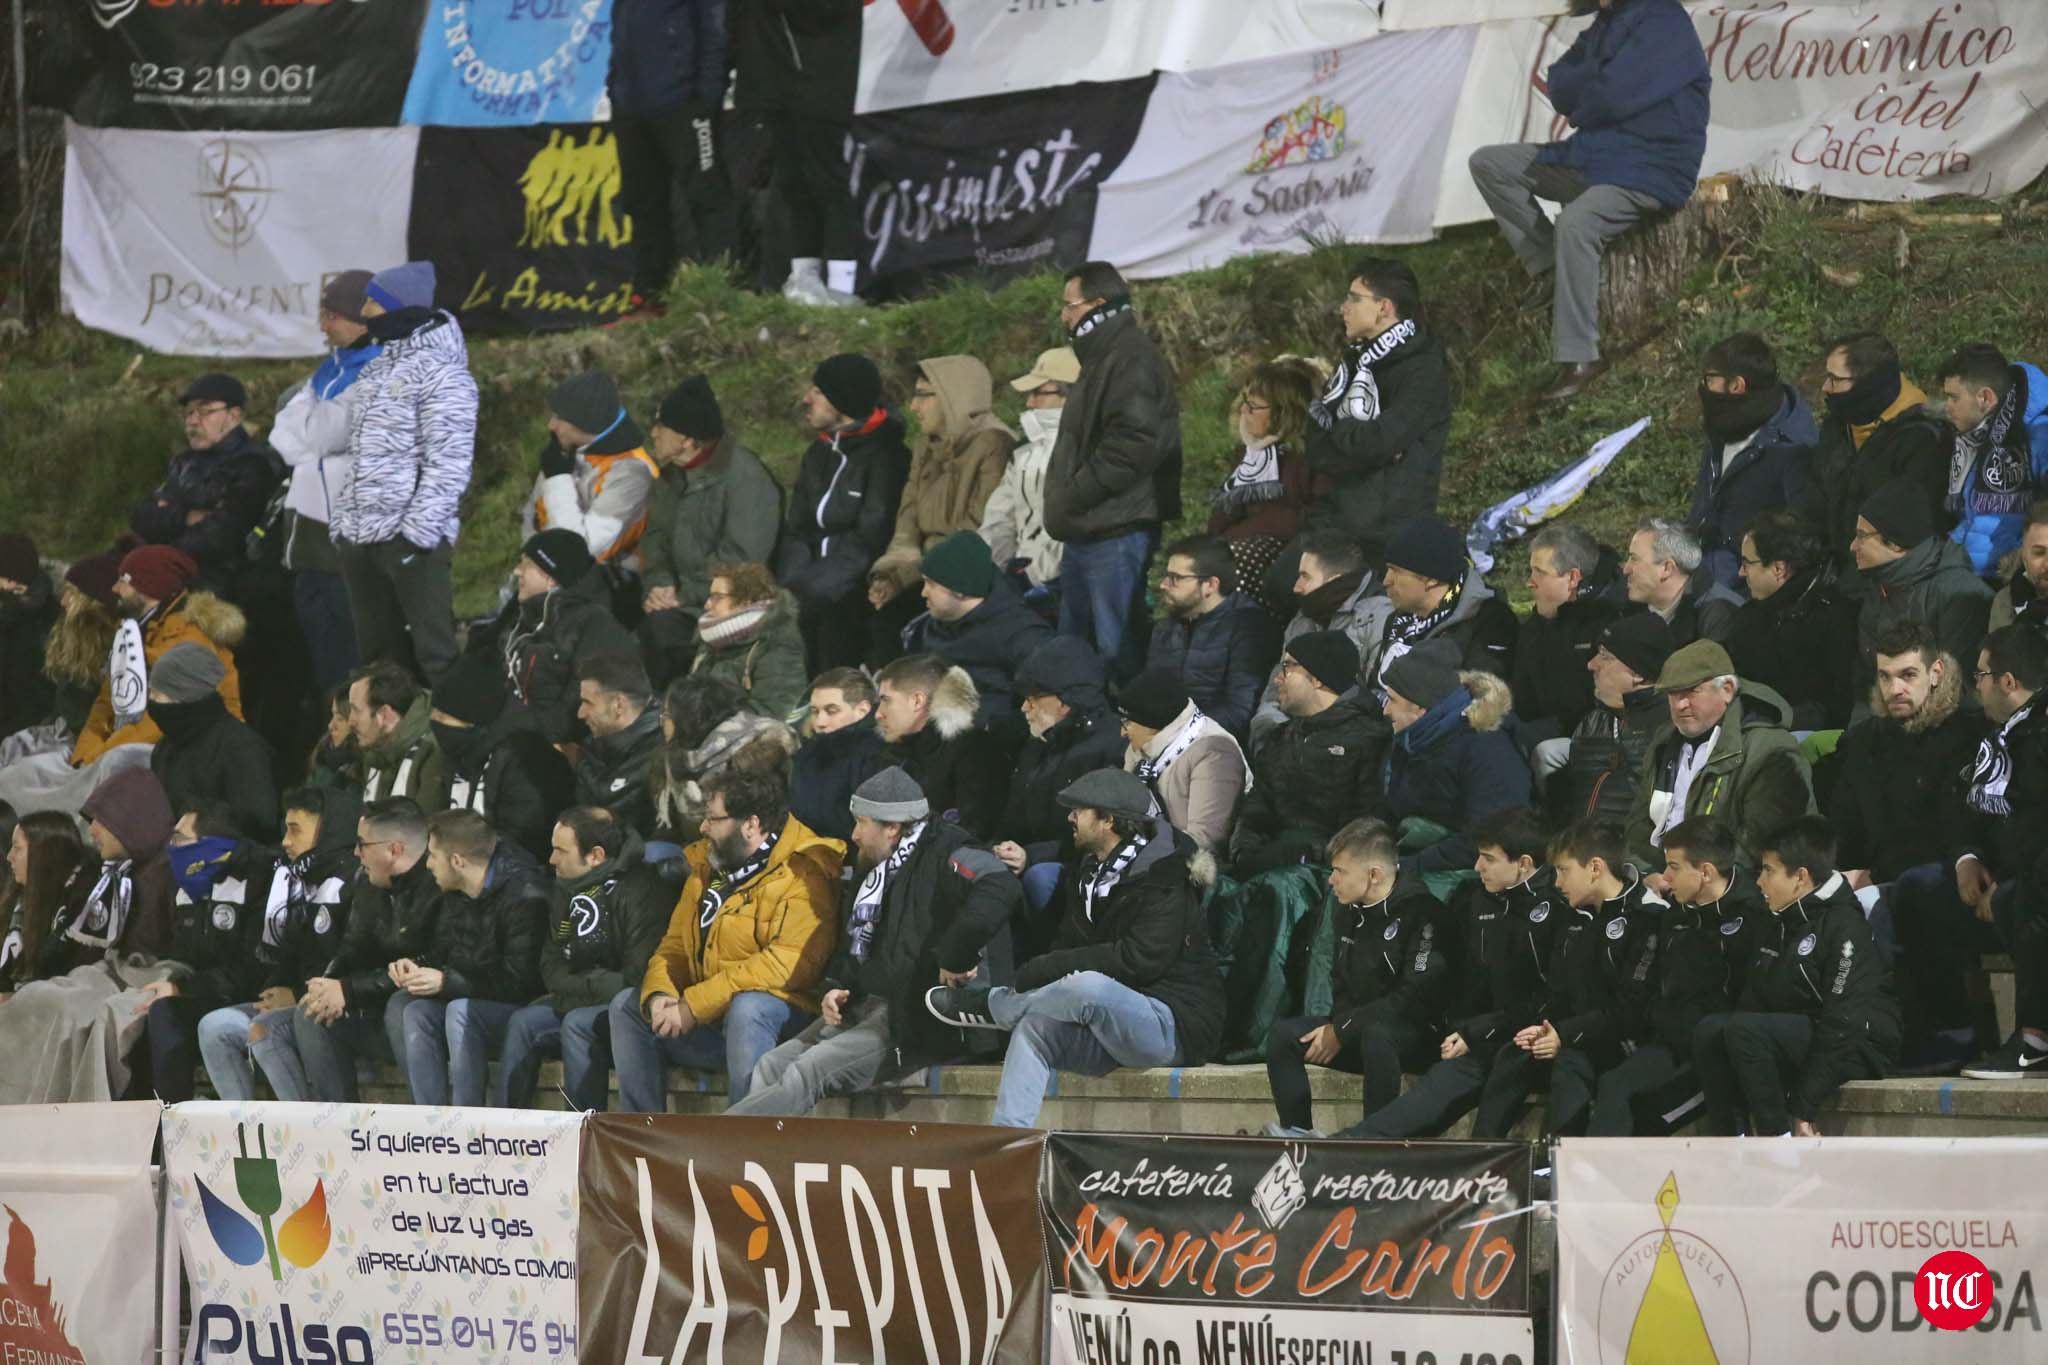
point(1767, 1250)
point(78, 1196)
point(218, 243)
point(1274, 155)
point(359, 1232)
point(1090, 1331)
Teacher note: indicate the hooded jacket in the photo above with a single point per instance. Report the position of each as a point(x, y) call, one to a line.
point(1222, 658)
point(1768, 471)
point(1360, 609)
point(546, 639)
point(1801, 642)
point(384, 925)
point(961, 769)
point(1201, 789)
point(1088, 738)
point(1606, 762)
point(229, 484)
point(508, 774)
point(1552, 686)
point(1817, 959)
point(1149, 933)
point(412, 436)
point(217, 917)
point(1482, 626)
point(666, 54)
point(1314, 774)
point(825, 772)
point(1393, 964)
point(1889, 774)
point(603, 498)
point(488, 945)
point(842, 511)
point(1504, 959)
point(27, 697)
point(759, 650)
point(207, 754)
point(952, 473)
point(302, 905)
point(1755, 781)
point(1932, 583)
point(407, 762)
point(774, 933)
point(1013, 521)
point(1387, 468)
point(1597, 987)
point(603, 928)
point(1634, 87)
point(2001, 483)
point(1454, 767)
point(1116, 463)
point(614, 771)
point(1909, 441)
point(991, 643)
point(198, 618)
point(727, 510)
point(132, 806)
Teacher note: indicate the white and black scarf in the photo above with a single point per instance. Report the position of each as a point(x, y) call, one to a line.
point(128, 674)
point(1353, 393)
point(1099, 876)
point(1406, 629)
point(1098, 317)
point(2004, 467)
point(104, 917)
point(867, 902)
point(289, 896)
point(726, 883)
point(1149, 769)
point(1256, 479)
point(1991, 771)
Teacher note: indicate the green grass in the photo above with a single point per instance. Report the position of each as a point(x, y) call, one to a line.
point(94, 419)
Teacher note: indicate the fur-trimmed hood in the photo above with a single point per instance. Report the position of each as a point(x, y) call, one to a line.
point(221, 620)
point(1491, 700)
point(954, 703)
point(1944, 701)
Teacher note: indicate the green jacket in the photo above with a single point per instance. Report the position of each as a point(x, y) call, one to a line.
point(1755, 781)
point(761, 652)
point(727, 510)
point(407, 762)
point(602, 928)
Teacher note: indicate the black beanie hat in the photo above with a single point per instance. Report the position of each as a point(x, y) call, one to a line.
point(1898, 511)
point(691, 410)
point(589, 401)
point(1153, 699)
point(473, 689)
point(1329, 656)
point(1427, 546)
point(1427, 673)
point(850, 383)
point(561, 553)
point(1641, 640)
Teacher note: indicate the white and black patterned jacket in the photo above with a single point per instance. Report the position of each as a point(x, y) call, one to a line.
point(412, 437)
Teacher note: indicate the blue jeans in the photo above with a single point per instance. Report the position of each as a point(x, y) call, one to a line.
point(1102, 596)
point(448, 1046)
point(320, 600)
point(754, 1023)
point(229, 1055)
point(537, 1032)
point(1041, 883)
point(1084, 1022)
point(325, 1054)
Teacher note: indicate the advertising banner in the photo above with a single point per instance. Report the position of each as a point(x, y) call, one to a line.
point(512, 63)
point(1282, 154)
point(525, 226)
point(1005, 185)
point(1179, 1250)
point(79, 1198)
point(367, 1232)
point(1764, 1250)
point(809, 1241)
point(281, 67)
point(219, 243)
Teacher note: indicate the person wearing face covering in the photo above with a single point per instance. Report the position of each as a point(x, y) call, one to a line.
point(499, 765)
point(206, 754)
point(1757, 438)
point(1013, 521)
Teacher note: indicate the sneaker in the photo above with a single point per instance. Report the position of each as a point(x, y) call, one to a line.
point(1281, 1130)
point(2018, 1060)
point(961, 1007)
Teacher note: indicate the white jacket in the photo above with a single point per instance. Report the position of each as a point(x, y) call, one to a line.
point(1013, 522)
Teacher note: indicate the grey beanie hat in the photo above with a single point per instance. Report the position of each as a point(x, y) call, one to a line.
point(187, 672)
point(891, 796)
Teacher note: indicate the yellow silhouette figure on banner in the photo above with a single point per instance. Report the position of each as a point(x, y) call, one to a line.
point(566, 185)
point(1669, 1329)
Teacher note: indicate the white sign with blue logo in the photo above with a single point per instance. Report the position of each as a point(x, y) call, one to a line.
point(512, 63)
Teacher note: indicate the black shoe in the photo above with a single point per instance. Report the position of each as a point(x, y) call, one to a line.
point(1571, 380)
point(961, 1007)
point(2018, 1060)
point(1938, 1056)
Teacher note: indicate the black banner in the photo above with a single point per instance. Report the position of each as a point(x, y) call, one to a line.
point(1003, 185)
point(525, 226)
point(263, 65)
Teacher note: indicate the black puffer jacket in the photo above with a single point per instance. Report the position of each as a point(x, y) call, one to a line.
point(1801, 641)
point(1768, 471)
point(508, 774)
point(991, 643)
point(1115, 467)
point(1222, 659)
point(26, 696)
point(316, 892)
point(604, 926)
point(1089, 738)
point(1311, 777)
point(612, 771)
point(1597, 987)
point(1393, 963)
point(1606, 763)
point(1387, 468)
point(214, 934)
point(489, 946)
point(545, 640)
point(207, 754)
point(842, 511)
point(230, 484)
point(1553, 687)
point(1149, 933)
point(1503, 959)
point(825, 772)
point(1912, 445)
point(384, 925)
point(1887, 776)
point(961, 769)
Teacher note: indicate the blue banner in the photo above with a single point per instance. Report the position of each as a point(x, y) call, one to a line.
point(512, 63)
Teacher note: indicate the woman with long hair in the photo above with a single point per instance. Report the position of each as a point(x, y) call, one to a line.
point(75, 659)
point(44, 853)
point(1263, 502)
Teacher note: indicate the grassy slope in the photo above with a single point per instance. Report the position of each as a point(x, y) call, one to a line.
point(93, 422)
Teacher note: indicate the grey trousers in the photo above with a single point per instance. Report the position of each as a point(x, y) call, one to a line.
point(822, 1061)
point(1590, 216)
point(403, 604)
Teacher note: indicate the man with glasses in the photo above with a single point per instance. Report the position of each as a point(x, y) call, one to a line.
point(1215, 640)
point(214, 494)
point(1757, 435)
point(1013, 522)
point(1797, 632)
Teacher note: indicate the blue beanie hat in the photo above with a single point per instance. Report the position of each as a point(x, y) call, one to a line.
point(403, 286)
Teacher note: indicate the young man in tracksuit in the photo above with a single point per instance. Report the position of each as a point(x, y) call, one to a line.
point(1391, 981)
point(1816, 1008)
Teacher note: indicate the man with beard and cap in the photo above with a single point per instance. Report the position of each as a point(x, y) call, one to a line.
point(931, 908)
point(391, 719)
point(311, 436)
point(1662, 573)
point(1334, 589)
point(559, 619)
point(1999, 409)
point(1877, 428)
point(595, 473)
point(411, 443)
point(2023, 599)
point(1437, 594)
point(1758, 435)
point(1073, 731)
point(978, 621)
point(1797, 633)
point(1193, 767)
point(842, 508)
point(497, 764)
point(1212, 635)
point(1595, 772)
point(214, 494)
point(28, 612)
point(1013, 522)
point(1574, 584)
point(1914, 573)
point(842, 748)
point(207, 754)
point(1452, 763)
point(737, 972)
point(616, 702)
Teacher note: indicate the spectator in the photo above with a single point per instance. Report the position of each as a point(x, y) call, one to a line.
point(392, 721)
point(43, 851)
point(1797, 633)
point(159, 610)
point(1073, 732)
point(737, 972)
point(1013, 522)
point(311, 436)
point(2024, 598)
point(1878, 428)
point(1114, 476)
point(1322, 768)
point(1758, 436)
point(1265, 499)
point(706, 729)
point(748, 636)
point(1391, 983)
point(496, 763)
point(1770, 1068)
point(411, 442)
point(1129, 981)
point(715, 503)
point(215, 493)
point(796, 67)
point(205, 753)
point(1699, 870)
point(842, 511)
point(1915, 574)
point(931, 908)
point(1633, 86)
point(925, 711)
point(1437, 595)
point(1662, 575)
point(1731, 755)
point(841, 750)
point(1193, 767)
point(607, 910)
point(596, 477)
point(666, 84)
point(486, 942)
point(1333, 590)
point(2000, 413)
point(1452, 763)
point(1218, 642)
point(560, 618)
point(979, 622)
point(336, 762)
point(75, 652)
point(1597, 776)
point(1380, 427)
point(615, 701)
point(1570, 577)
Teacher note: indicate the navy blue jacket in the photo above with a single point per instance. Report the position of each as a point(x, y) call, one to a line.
point(1222, 659)
point(1634, 87)
point(1454, 767)
point(666, 53)
point(1768, 472)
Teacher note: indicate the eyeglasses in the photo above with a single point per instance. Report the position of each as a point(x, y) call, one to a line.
point(716, 819)
point(1833, 383)
point(1287, 666)
point(365, 844)
point(1980, 674)
point(1748, 563)
point(205, 409)
point(1066, 307)
point(1170, 577)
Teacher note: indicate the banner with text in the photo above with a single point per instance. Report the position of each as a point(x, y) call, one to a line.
point(804, 1243)
point(1182, 1250)
point(78, 1281)
point(219, 243)
point(1278, 155)
point(1788, 1249)
point(356, 1232)
point(287, 66)
point(503, 63)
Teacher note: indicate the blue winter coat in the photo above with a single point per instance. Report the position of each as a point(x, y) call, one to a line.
point(1768, 472)
point(1634, 87)
point(2003, 483)
point(666, 53)
point(1454, 767)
